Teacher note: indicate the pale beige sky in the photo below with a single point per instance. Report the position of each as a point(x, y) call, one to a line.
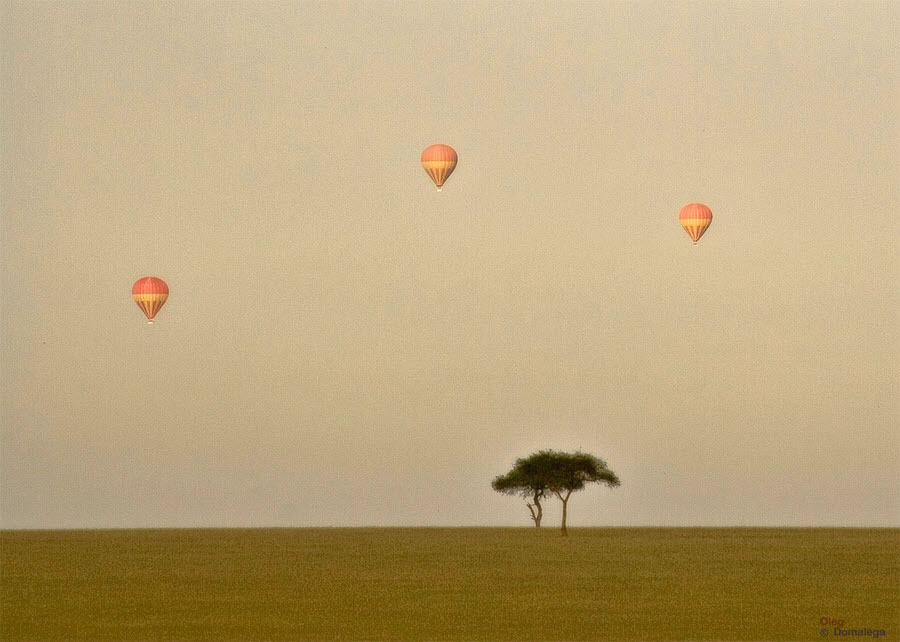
point(345, 346)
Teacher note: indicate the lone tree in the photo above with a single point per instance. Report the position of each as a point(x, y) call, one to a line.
point(550, 471)
point(572, 472)
point(528, 478)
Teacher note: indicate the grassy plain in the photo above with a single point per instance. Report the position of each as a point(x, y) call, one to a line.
point(472, 584)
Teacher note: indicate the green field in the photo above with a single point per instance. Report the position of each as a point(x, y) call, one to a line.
point(474, 583)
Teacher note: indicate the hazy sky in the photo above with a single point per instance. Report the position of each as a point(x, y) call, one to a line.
point(345, 346)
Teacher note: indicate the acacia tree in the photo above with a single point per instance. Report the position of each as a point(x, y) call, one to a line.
point(550, 471)
point(571, 472)
point(528, 478)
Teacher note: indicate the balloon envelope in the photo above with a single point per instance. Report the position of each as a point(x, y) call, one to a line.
point(439, 162)
point(150, 293)
point(695, 218)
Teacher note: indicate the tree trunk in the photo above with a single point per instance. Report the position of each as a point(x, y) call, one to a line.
point(536, 516)
point(565, 503)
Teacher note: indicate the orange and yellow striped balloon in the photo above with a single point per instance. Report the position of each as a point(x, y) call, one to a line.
point(695, 218)
point(439, 162)
point(150, 293)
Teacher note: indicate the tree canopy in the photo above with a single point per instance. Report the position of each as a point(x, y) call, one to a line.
point(550, 471)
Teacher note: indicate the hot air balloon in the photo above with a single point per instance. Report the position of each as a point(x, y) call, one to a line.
point(150, 293)
point(439, 162)
point(695, 218)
